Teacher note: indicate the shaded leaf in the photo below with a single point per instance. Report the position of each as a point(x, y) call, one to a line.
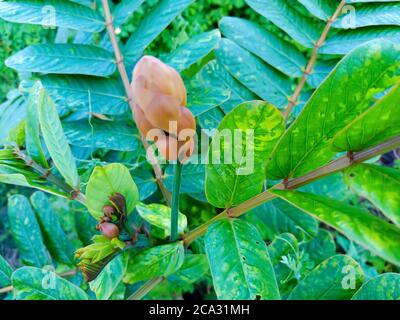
point(301, 28)
point(152, 25)
point(52, 13)
point(33, 144)
point(63, 58)
point(102, 134)
point(5, 272)
point(272, 49)
point(90, 94)
point(26, 232)
point(57, 241)
point(193, 50)
point(253, 73)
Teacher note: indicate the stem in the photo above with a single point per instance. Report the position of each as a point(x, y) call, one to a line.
point(313, 59)
point(50, 177)
point(125, 80)
point(328, 169)
point(146, 288)
point(175, 200)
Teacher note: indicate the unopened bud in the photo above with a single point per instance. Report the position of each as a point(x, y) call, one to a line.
point(109, 230)
point(108, 210)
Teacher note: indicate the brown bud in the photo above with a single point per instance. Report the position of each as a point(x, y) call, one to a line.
point(171, 148)
point(109, 230)
point(159, 91)
point(142, 123)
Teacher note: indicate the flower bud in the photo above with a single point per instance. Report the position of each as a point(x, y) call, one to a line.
point(171, 148)
point(159, 91)
point(142, 123)
point(109, 230)
point(108, 210)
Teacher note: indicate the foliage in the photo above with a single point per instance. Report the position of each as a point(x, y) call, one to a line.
point(244, 231)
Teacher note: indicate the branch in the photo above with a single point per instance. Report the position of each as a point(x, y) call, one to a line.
point(68, 273)
point(125, 80)
point(313, 59)
point(146, 288)
point(326, 170)
point(50, 177)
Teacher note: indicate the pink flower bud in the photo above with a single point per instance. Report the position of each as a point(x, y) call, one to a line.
point(109, 230)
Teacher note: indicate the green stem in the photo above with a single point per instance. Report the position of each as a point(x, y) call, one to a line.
point(175, 201)
point(146, 288)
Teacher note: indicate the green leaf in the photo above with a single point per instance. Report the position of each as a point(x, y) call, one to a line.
point(272, 49)
point(56, 240)
point(12, 112)
point(26, 232)
point(105, 182)
point(344, 41)
point(203, 99)
point(284, 245)
point(236, 169)
point(373, 68)
point(321, 70)
point(102, 134)
point(377, 124)
point(160, 216)
point(123, 10)
point(337, 278)
point(52, 13)
point(152, 25)
point(145, 182)
point(5, 272)
point(38, 284)
point(239, 262)
point(375, 234)
point(55, 140)
point(63, 58)
point(383, 287)
point(193, 269)
point(252, 72)
point(373, 14)
point(321, 247)
point(192, 181)
point(193, 50)
point(321, 9)
point(380, 185)
point(110, 278)
point(277, 217)
point(32, 132)
point(158, 261)
point(214, 75)
point(301, 28)
point(90, 94)
point(11, 175)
